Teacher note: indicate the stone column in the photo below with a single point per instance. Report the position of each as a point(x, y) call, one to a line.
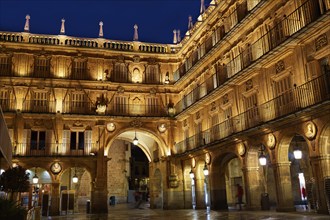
point(55, 199)
point(283, 187)
point(253, 187)
point(321, 169)
point(99, 194)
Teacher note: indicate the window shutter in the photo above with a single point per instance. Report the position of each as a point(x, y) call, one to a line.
point(66, 142)
point(88, 141)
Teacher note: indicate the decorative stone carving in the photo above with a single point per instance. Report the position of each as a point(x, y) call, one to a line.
point(241, 149)
point(208, 158)
point(136, 123)
point(279, 66)
point(248, 85)
point(321, 41)
point(162, 128)
point(310, 130)
point(136, 59)
point(100, 109)
point(225, 99)
point(193, 162)
point(120, 89)
point(213, 106)
point(185, 123)
point(111, 126)
point(198, 115)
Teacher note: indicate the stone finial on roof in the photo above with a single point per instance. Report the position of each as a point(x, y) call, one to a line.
point(179, 36)
point(62, 31)
point(190, 23)
point(136, 35)
point(27, 23)
point(202, 7)
point(175, 40)
point(101, 29)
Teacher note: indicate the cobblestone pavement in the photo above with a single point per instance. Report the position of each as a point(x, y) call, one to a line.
point(127, 211)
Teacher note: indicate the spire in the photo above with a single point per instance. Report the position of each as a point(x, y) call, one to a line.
point(202, 7)
point(136, 35)
point(174, 37)
point(190, 23)
point(62, 27)
point(27, 23)
point(179, 36)
point(101, 29)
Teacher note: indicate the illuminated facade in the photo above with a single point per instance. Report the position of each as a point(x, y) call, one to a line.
point(249, 78)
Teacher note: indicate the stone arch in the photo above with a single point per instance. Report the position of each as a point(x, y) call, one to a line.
point(218, 179)
point(149, 133)
point(324, 141)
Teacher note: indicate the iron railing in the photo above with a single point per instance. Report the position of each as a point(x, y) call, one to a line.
point(53, 149)
point(311, 93)
point(291, 24)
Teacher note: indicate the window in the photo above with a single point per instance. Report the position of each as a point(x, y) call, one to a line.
point(121, 105)
point(39, 102)
point(152, 74)
point(152, 105)
point(282, 90)
point(38, 140)
point(41, 67)
point(78, 103)
point(251, 115)
point(79, 69)
point(4, 100)
point(120, 73)
point(77, 140)
point(5, 65)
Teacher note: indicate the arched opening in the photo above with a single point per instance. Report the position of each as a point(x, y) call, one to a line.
point(131, 153)
point(40, 193)
point(301, 174)
point(74, 194)
point(226, 174)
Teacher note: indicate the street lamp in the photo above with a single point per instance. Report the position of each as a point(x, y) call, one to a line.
point(262, 157)
point(35, 179)
point(297, 153)
point(135, 140)
point(206, 188)
point(193, 194)
point(75, 177)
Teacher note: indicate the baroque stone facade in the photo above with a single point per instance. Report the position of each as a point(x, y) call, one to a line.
point(236, 87)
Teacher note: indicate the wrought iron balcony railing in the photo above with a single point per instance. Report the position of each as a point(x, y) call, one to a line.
point(53, 149)
point(311, 93)
point(272, 39)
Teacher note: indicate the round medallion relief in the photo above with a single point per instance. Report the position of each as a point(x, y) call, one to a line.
point(241, 149)
point(271, 141)
point(310, 130)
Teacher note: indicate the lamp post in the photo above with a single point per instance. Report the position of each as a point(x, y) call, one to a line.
point(193, 194)
point(35, 178)
point(297, 153)
point(135, 140)
point(207, 189)
point(264, 196)
point(75, 177)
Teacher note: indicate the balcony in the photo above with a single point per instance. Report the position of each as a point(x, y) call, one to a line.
point(271, 40)
point(53, 150)
point(302, 97)
point(39, 106)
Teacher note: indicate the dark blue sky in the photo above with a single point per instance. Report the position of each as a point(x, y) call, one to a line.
point(156, 18)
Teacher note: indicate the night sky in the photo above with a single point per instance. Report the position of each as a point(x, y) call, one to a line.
point(156, 19)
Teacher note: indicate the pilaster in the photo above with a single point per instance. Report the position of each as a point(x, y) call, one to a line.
point(321, 170)
point(284, 188)
point(55, 199)
point(253, 190)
